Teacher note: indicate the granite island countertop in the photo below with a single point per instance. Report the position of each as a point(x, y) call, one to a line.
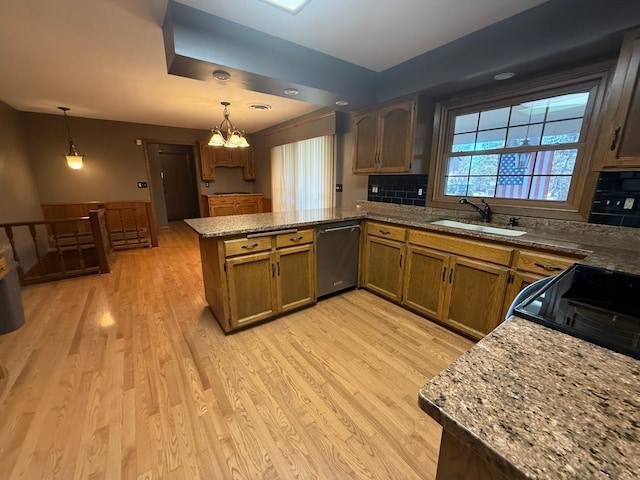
point(614, 248)
point(540, 404)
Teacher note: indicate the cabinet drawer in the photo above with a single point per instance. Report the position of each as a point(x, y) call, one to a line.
point(297, 238)
point(4, 267)
point(386, 231)
point(218, 201)
point(542, 263)
point(488, 252)
point(242, 246)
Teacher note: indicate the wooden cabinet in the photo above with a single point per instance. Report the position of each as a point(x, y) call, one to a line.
point(457, 281)
point(530, 266)
point(211, 157)
point(383, 140)
point(619, 143)
point(475, 292)
point(424, 280)
point(253, 278)
point(239, 204)
point(384, 253)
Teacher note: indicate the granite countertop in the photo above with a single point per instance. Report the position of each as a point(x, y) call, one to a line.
point(614, 248)
point(539, 404)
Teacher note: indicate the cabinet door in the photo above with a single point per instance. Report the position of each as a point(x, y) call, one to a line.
point(365, 143)
point(425, 279)
point(620, 140)
point(222, 156)
point(206, 161)
point(250, 280)
point(516, 283)
point(222, 206)
point(396, 138)
point(249, 167)
point(295, 277)
point(475, 294)
point(251, 204)
point(383, 267)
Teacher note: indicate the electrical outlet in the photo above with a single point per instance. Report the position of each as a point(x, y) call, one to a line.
point(207, 184)
point(628, 203)
point(374, 188)
point(419, 191)
point(142, 185)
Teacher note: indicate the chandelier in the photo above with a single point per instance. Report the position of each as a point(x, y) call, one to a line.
point(233, 139)
point(74, 159)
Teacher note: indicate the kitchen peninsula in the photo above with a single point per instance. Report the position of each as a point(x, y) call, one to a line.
point(257, 244)
point(530, 402)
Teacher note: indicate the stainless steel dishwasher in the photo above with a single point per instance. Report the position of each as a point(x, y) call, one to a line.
point(337, 247)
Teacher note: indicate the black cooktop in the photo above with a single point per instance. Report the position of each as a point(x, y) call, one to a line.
point(597, 305)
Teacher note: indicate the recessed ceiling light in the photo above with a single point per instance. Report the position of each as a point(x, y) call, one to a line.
point(342, 103)
point(504, 76)
point(259, 106)
point(221, 75)
point(289, 6)
point(290, 91)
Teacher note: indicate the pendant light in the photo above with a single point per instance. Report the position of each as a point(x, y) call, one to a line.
point(234, 138)
point(74, 159)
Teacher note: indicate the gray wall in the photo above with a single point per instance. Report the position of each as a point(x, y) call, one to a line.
point(113, 162)
point(19, 198)
point(315, 124)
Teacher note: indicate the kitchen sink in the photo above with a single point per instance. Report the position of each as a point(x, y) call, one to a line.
point(479, 228)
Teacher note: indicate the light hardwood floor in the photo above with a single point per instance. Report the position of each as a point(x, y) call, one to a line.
point(128, 375)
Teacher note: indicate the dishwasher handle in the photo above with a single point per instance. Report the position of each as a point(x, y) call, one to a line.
point(335, 229)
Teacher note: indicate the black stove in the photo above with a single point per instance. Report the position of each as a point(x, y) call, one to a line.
point(597, 305)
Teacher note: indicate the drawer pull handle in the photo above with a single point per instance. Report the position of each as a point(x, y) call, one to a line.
point(614, 139)
point(385, 232)
point(444, 273)
point(253, 245)
point(296, 239)
point(549, 268)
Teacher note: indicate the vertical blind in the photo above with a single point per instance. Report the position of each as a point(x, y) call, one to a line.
point(303, 175)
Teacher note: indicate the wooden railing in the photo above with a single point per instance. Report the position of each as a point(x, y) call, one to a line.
point(129, 224)
point(72, 247)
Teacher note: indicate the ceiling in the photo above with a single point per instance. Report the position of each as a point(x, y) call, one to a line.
point(106, 59)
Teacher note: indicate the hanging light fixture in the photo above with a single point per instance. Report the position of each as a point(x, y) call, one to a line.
point(74, 159)
point(234, 138)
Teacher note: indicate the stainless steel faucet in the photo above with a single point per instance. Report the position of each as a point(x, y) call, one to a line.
point(485, 212)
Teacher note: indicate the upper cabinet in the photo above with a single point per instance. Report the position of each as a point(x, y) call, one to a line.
point(383, 139)
point(211, 157)
point(619, 143)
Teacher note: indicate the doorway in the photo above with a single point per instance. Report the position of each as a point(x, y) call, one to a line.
point(173, 175)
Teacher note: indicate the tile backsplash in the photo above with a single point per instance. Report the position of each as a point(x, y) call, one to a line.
point(398, 189)
point(617, 200)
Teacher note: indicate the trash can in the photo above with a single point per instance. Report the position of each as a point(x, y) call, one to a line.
point(11, 310)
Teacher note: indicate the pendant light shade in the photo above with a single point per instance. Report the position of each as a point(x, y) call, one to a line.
point(74, 159)
point(233, 139)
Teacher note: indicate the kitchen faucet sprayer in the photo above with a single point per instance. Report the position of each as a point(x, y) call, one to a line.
point(485, 212)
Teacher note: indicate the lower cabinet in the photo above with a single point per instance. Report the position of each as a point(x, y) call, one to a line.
point(474, 295)
point(463, 293)
point(248, 280)
point(384, 253)
point(240, 204)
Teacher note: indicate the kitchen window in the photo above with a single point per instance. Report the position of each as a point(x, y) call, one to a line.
point(527, 148)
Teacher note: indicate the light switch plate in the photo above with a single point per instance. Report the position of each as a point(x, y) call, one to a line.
point(374, 188)
point(628, 203)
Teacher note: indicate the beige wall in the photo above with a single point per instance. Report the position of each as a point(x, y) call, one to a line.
point(113, 162)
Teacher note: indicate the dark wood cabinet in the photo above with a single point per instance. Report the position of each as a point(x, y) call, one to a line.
point(212, 157)
point(383, 139)
point(619, 142)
